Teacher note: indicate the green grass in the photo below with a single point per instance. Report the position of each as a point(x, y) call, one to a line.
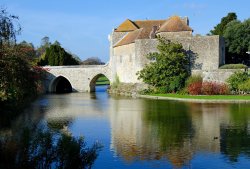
point(103, 80)
point(207, 97)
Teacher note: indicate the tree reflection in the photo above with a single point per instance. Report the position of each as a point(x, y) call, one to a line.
point(37, 147)
point(173, 126)
point(235, 137)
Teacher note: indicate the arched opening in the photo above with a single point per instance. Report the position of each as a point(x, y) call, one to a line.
point(61, 85)
point(99, 83)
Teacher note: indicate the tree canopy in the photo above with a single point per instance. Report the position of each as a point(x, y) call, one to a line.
point(237, 37)
point(9, 27)
point(220, 28)
point(55, 55)
point(168, 68)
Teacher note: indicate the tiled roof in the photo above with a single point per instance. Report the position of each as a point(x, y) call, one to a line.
point(147, 27)
point(126, 26)
point(174, 24)
point(141, 29)
point(129, 38)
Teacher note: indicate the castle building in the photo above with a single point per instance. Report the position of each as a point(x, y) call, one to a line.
point(131, 41)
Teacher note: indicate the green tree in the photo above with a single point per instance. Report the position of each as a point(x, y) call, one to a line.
point(56, 56)
point(237, 37)
point(220, 28)
point(9, 28)
point(168, 68)
point(27, 51)
point(18, 80)
point(45, 43)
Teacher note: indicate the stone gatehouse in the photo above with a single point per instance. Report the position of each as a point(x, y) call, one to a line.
point(131, 41)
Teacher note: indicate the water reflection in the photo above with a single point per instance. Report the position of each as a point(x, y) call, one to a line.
point(235, 135)
point(36, 146)
point(177, 131)
point(136, 133)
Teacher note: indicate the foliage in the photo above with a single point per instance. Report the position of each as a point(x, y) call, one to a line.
point(233, 66)
point(220, 28)
point(18, 80)
point(45, 43)
point(27, 51)
point(169, 68)
point(102, 80)
point(207, 97)
point(116, 83)
point(193, 79)
point(237, 37)
point(92, 61)
point(56, 56)
point(245, 86)
point(213, 88)
point(236, 79)
point(9, 28)
point(195, 88)
point(207, 88)
point(41, 148)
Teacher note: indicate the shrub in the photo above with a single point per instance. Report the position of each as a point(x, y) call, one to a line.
point(116, 83)
point(160, 90)
point(236, 79)
point(245, 87)
point(169, 68)
point(208, 88)
point(233, 66)
point(195, 88)
point(213, 88)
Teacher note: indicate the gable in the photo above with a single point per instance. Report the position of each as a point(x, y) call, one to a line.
point(126, 26)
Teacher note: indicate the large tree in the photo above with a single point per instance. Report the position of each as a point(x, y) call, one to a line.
point(17, 78)
point(9, 28)
point(55, 55)
point(237, 37)
point(168, 67)
point(220, 28)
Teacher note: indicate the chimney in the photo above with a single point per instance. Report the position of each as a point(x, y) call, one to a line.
point(152, 34)
point(186, 20)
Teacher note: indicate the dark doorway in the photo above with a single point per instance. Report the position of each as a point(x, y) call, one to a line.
point(62, 85)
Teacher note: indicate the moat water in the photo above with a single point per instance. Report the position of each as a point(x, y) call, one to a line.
point(144, 133)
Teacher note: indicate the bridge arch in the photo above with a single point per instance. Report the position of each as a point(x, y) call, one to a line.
point(60, 84)
point(94, 79)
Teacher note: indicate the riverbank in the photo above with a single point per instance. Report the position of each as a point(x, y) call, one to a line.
point(201, 98)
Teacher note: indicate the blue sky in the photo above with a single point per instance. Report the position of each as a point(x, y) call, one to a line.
point(82, 26)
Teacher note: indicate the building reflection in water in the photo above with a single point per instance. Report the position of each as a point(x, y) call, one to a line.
point(176, 131)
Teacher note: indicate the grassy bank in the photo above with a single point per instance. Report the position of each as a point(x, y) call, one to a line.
point(103, 80)
point(206, 97)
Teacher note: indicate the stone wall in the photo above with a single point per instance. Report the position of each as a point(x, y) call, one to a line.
point(206, 53)
point(125, 62)
point(219, 75)
point(175, 34)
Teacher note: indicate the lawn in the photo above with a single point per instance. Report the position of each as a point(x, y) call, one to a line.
point(207, 97)
point(103, 80)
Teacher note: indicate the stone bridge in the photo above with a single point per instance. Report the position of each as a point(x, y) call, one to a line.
point(75, 78)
